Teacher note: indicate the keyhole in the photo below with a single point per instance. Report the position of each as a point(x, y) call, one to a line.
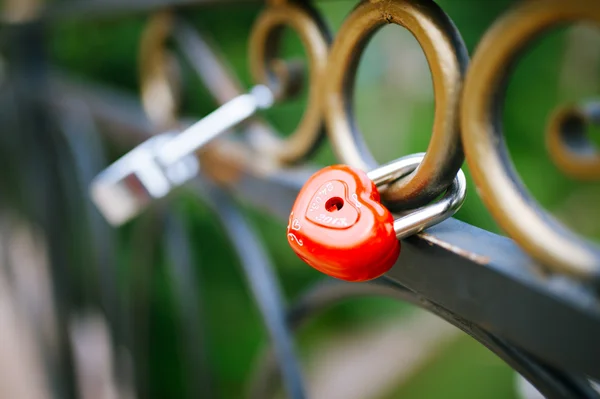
point(334, 204)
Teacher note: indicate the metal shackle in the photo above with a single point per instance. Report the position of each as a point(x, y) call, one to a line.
point(414, 221)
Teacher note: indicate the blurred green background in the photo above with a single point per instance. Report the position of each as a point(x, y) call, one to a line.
point(394, 105)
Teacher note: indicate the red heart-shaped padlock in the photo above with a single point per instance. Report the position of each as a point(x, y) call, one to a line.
point(339, 226)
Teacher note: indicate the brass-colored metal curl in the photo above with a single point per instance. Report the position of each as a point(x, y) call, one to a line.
point(282, 78)
point(567, 142)
point(499, 186)
point(159, 78)
point(447, 57)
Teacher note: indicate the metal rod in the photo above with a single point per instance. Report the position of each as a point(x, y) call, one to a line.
point(426, 216)
point(212, 125)
point(430, 215)
point(263, 284)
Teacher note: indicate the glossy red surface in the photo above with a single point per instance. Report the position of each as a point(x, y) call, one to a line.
point(339, 226)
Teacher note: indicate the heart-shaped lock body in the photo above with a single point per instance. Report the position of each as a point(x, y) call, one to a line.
point(339, 226)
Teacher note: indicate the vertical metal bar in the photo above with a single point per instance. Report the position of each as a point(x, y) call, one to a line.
point(263, 284)
point(40, 173)
point(185, 278)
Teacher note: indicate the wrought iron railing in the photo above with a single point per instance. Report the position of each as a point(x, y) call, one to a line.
point(532, 299)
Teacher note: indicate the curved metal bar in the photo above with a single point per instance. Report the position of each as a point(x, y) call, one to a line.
point(498, 184)
point(262, 281)
point(427, 216)
point(283, 78)
point(567, 142)
point(447, 57)
point(550, 382)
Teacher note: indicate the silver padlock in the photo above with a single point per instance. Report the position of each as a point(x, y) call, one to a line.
point(151, 170)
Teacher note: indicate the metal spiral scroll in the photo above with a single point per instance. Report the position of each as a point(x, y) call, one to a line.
point(567, 142)
point(447, 58)
point(503, 193)
point(282, 77)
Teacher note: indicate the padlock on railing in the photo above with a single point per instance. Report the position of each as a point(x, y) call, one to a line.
point(339, 226)
point(152, 169)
